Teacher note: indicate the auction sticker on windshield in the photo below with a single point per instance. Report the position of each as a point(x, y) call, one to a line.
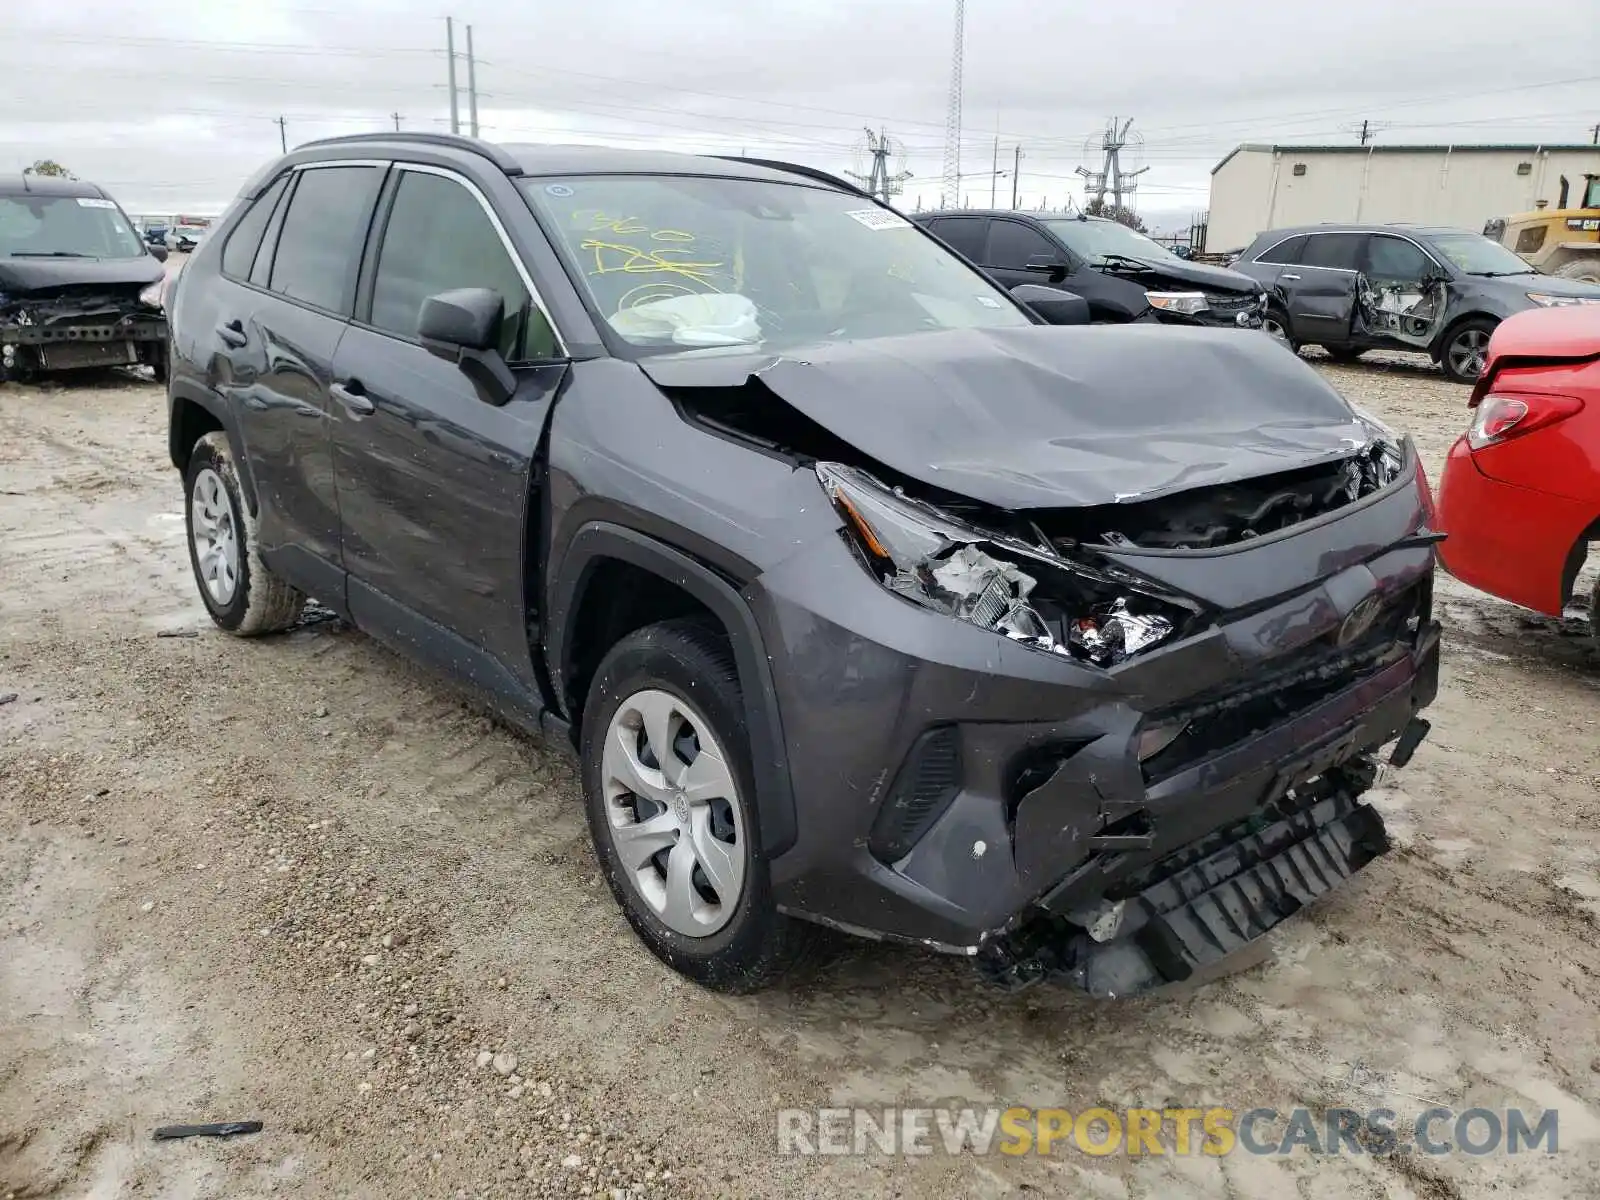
point(94, 202)
point(876, 218)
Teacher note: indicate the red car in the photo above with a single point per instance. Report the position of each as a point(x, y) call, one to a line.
point(1520, 495)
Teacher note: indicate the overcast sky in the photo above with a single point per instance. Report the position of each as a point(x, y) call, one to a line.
point(171, 106)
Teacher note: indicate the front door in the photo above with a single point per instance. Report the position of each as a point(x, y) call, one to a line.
point(434, 482)
point(1401, 295)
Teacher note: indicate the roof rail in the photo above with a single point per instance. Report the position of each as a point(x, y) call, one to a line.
point(796, 169)
point(454, 141)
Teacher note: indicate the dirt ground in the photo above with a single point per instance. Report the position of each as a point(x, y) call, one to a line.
point(301, 881)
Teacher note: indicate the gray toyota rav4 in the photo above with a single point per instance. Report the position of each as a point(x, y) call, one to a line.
point(868, 601)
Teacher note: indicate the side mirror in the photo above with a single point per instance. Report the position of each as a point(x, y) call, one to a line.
point(1055, 306)
point(463, 326)
point(159, 253)
point(1046, 264)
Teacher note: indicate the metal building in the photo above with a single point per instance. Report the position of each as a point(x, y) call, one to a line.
point(1260, 187)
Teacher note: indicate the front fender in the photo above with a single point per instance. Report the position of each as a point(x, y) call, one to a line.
point(598, 541)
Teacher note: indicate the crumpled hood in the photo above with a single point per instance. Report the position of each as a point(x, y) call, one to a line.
point(19, 275)
point(1550, 285)
point(1175, 274)
point(1054, 416)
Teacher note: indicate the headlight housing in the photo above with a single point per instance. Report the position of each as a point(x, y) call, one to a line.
point(1545, 300)
point(152, 294)
point(1178, 302)
point(1054, 606)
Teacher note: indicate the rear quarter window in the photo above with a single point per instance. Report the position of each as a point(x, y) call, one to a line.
point(245, 240)
point(1281, 251)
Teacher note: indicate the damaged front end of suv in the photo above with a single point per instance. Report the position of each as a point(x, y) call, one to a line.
point(1148, 608)
point(78, 287)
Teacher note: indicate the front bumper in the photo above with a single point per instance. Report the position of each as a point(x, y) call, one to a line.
point(1019, 773)
point(64, 345)
point(1222, 314)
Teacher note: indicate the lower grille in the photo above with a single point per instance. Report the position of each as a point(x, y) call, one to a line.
point(928, 781)
point(64, 356)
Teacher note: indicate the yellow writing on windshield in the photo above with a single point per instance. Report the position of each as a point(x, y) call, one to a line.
point(612, 257)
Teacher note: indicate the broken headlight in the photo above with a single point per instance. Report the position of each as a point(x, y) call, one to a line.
point(1545, 300)
point(937, 561)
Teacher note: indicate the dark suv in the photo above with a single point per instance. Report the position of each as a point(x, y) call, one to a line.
point(1123, 275)
point(868, 601)
point(1354, 288)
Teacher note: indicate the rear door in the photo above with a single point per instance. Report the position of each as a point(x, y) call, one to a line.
point(1322, 301)
point(434, 481)
point(277, 329)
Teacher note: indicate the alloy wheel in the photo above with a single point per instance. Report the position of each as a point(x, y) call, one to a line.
point(216, 538)
point(1468, 353)
point(673, 813)
point(1273, 328)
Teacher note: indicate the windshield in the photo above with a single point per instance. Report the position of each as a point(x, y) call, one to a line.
point(677, 261)
point(65, 227)
point(1095, 239)
point(1477, 255)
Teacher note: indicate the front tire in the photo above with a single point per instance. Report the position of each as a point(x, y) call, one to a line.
point(670, 794)
point(241, 594)
point(1275, 324)
point(1466, 349)
point(1344, 354)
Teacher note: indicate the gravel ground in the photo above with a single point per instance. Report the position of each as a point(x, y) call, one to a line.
point(300, 881)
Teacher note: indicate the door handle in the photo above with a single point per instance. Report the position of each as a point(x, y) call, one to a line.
point(353, 396)
point(1286, 275)
point(233, 333)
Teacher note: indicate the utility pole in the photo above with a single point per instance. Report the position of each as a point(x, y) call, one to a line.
point(1595, 139)
point(283, 134)
point(994, 175)
point(450, 56)
point(472, 85)
point(1016, 175)
point(1364, 134)
point(396, 117)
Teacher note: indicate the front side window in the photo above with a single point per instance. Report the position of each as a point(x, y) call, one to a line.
point(1012, 244)
point(1395, 258)
point(37, 226)
point(679, 261)
point(438, 239)
point(323, 232)
point(245, 240)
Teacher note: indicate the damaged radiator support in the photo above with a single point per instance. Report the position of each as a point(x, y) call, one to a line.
point(1203, 902)
point(69, 332)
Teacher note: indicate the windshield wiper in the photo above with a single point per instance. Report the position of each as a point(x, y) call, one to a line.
point(48, 254)
point(1501, 274)
point(1108, 259)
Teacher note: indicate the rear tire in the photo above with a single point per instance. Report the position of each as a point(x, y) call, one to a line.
point(1585, 269)
point(241, 594)
point(1344, 354)
point(654, 840)
point(1465, 349)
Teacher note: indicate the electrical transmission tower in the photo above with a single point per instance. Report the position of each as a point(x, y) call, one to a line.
point(878, 179)
point(1111, 177)
point(951, 195)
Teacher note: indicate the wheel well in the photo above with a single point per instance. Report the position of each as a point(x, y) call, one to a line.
point(190, 422)
point(1576, 557)
point(616, 599)
point(1436, 351)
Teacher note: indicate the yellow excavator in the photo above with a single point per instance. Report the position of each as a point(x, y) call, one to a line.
point(1558, 241)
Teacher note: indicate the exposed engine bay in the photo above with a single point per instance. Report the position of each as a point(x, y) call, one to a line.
point(1205, 518)
point(74, 327)
point(1403, 310)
